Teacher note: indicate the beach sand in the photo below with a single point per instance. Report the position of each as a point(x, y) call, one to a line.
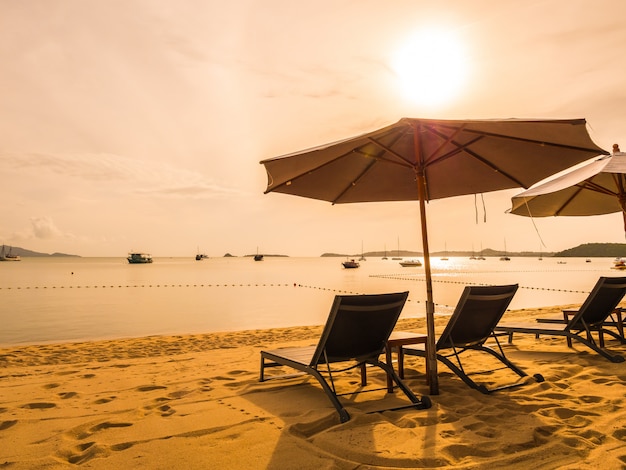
point(195, 402)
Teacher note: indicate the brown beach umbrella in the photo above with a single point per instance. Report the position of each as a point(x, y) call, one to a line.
point(424, 159)
point(596, 188)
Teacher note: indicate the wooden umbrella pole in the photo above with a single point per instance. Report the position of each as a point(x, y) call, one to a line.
point(431, 357)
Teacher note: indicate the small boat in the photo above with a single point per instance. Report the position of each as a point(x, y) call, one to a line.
point(139, 258)
point(258, 257)
point(350, 264)
point(505, 257)
point(200, 257)
point(411, 263)
point(8, 256)
point(619, 263)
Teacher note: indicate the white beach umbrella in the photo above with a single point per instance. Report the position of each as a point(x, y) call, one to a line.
point(596, 188)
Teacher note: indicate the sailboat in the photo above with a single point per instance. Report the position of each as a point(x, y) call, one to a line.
point(8, 256)
point(505, 257)
point(398, 257)
point(445, 252)
point(362, 258)
point(385, 257)
point(481, 257)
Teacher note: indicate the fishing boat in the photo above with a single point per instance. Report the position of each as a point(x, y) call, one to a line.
point(410, 263)
point(351, 264)
point(8, 256)
point(139, 258)
point(200, 257)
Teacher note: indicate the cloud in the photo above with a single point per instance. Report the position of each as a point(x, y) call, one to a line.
point(122, 173)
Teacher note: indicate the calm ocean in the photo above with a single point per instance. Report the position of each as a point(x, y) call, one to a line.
point(75, 299)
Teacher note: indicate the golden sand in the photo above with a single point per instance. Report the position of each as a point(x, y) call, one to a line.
point(195, 402)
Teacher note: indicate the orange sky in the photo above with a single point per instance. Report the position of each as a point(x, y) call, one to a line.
point(139, 125)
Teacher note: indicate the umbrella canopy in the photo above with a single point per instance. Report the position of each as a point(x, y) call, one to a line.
point(596, 188)
point(424, 159)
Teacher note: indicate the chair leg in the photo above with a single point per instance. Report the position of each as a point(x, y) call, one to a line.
point(388, 350)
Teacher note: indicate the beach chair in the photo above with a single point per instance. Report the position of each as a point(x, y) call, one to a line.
point(355, 334)
point(477, 313)
point(593, 316)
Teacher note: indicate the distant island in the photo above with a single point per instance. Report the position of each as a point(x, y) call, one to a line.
point(595, 250)
point(24, 253)
point(587, 250)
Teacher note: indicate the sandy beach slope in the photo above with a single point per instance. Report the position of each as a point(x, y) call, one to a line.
point(195, 402)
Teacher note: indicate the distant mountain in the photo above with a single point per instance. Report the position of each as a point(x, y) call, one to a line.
point(24, 253)
point(411, 254)
point(595, 250)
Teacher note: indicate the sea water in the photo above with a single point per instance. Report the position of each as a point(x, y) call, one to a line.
point(76, 299)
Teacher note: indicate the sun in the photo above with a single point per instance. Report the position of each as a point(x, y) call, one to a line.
point(431, 67)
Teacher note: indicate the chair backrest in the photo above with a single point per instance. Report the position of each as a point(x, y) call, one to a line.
point(358, 327)
point(476, 315)
point(601, 301)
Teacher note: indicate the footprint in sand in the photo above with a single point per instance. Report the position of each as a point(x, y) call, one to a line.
point(620, 435)
point(66, 395)
point(38, 406)
point(7, 424)
point(149, 388)
point(205, 387)
point(102, 401)
point(54, 385)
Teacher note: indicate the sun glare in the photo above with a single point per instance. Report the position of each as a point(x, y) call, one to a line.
point(431, 67)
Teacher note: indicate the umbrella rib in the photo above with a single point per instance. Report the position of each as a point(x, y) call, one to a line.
point(465, 147)
point(354, 182)
point(532, 141)
point(566, 203)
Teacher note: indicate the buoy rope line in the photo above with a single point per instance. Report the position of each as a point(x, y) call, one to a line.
point(328, 289)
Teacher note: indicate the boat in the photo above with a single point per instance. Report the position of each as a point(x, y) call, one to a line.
point(350, 264)
point(8, 256)
point(385, 257)
point(200, 256)
point(411, 263)
point(619, 263)
point(362, 258)
point(139, 258)
point(445, 255)
point(397, 257)
point(258, 257)
point(504, 257)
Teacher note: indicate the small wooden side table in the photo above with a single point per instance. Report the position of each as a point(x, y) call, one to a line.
point(396, 340)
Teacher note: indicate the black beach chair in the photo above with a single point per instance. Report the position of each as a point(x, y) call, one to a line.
point(355, 334)
point(593, 316)
point(477, 313)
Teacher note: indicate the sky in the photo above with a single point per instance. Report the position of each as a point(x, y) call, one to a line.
point(139, 125)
